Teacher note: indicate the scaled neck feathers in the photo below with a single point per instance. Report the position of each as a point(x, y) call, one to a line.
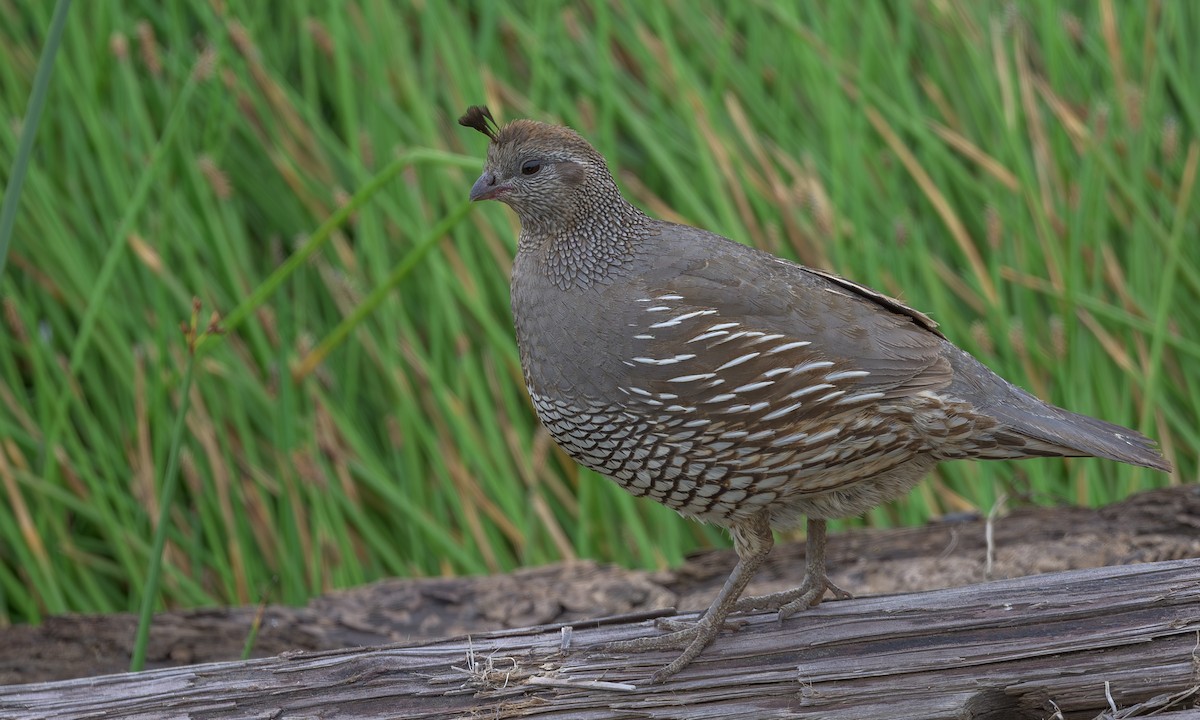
point(587, 240)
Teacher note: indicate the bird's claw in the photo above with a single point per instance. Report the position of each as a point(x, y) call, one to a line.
point(812, 597)
point(810, 594)
point(672, 625)
point(692, 637)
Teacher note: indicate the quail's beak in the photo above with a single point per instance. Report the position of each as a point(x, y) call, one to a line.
point(487, 187)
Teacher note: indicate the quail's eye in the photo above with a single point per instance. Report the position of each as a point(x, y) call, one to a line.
point(530, 167)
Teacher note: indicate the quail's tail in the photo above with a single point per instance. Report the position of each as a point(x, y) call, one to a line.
point(1045, 430)
point(1062, 432)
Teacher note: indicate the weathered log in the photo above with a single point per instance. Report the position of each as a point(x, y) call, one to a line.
point(1078, 643)
point(1147, 527)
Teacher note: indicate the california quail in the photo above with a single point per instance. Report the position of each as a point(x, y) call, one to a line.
point(733, 386)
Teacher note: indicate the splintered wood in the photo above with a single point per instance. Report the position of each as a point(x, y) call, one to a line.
point(1077, 643)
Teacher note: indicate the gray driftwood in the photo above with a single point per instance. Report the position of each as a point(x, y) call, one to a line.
point(1147, 527)
point(1067, 643)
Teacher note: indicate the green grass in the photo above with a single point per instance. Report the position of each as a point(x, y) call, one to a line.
point(1025, 173)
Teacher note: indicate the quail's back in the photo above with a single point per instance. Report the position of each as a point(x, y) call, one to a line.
point(731, 385)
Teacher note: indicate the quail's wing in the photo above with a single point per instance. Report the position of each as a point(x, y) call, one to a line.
point(757, 340)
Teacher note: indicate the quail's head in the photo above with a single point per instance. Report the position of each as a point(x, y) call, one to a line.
point(546, 173)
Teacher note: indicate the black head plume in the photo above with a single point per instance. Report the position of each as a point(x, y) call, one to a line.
point(478, 117)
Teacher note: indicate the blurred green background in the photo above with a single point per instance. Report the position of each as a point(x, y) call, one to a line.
point(1024, 172)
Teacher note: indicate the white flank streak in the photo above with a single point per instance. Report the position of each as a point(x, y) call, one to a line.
point(816, 365)
point(668, 396)
point(669, 297)
point(692, 378)
point(738, 361)
point(830, 433)
point(860, 397)
point(830, 396)
point(759, 406)
point(760, 435)
point(768, 338)
point(645, 299)
point(726, 397)
point(658, 308)
point(776, 371)
point(809, 390)
point(734, 336)
point(707, 335)
point(663, 361)
point(788, 346)
point(637, 390)
point(723, 326)
point(751, 387)
point(696, 423)
point(776, 414)
point(680, 409)
point(733, 435)
point(686, 316)
point(846, 375)
point(643, 337)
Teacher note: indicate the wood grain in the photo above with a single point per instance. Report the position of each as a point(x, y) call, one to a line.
point(1019, 648)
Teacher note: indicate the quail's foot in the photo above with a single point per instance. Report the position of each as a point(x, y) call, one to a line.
point(809, 594)
point(692, 639)
point(693, 636)
point(812, 589)
point(679, 634)
point(672, 625)
point(752, 541)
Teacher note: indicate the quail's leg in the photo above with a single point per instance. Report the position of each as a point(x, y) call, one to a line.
point(752, 541)
point(812, 589)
